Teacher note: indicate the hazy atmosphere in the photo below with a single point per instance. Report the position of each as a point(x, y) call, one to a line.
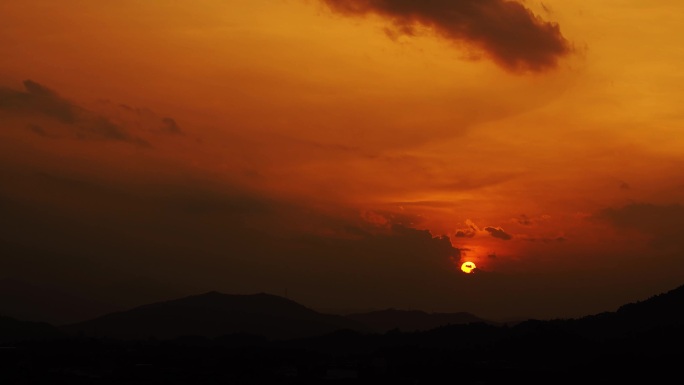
point(349, 155)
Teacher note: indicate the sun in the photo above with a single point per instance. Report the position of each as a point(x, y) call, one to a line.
point(468, 267)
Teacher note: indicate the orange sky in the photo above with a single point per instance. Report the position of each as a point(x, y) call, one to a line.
point(332, 134)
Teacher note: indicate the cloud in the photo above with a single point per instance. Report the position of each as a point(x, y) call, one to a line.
point(665, 223)
point(66, 229)
point(141, 117)
point(100, 127)
point(472, 230)
point(464, 233)
point(506, 31)
point(39, 100)
point(524, 220)
point(498, 232)
point(40, 131)
point(468, 232)
point(557, 239)
point(170, 126)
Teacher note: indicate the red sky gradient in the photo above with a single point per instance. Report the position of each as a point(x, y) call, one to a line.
point(352, 153)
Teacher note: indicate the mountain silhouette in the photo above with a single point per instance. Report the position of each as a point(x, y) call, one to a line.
point(412, 320)
point(14, 330)
point(265, 339)
point(42, 303)
point(655, 314)
point(214, 314)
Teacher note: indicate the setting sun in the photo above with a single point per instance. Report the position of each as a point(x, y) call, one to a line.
point(468, 267)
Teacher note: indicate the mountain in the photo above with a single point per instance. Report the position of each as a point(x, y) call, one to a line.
point(14, 330)
point(412, 320)
point(655, 314)
point(640, 342)
point(42, 303)
point(214, 314)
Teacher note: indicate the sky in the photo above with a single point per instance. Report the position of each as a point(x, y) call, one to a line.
point(347, 154)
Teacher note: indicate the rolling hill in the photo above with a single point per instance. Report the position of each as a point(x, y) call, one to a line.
point(265, 339)
point(382, 321)
point(214, 314)
point(14, 330)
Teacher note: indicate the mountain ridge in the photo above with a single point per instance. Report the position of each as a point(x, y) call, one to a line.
point(212, 314)
point(413, 320)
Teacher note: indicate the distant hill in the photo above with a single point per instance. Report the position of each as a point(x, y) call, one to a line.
point(39, 303)
point(265, 339)
point(659, 312)
point(214, 314)
point(14, 330)
point(665, 307)
point(412, 320)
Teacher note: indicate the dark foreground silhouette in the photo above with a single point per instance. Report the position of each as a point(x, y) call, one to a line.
point(640, 342)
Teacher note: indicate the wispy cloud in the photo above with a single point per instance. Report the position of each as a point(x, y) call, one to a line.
point(664, 223)
point(40, 101)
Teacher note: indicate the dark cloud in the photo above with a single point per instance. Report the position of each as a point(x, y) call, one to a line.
point(387, 218)
point(100, 127)
point(464, 234)
point(170, 126)
point(508, 32)
point(524, 220)
point(665, 223)
point(558, 239)
point(39, 100)
point(498, 232)
point(39, 130)
point(93, 234)
point(143, 120)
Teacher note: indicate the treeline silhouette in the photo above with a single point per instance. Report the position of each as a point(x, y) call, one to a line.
point(640, 341)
